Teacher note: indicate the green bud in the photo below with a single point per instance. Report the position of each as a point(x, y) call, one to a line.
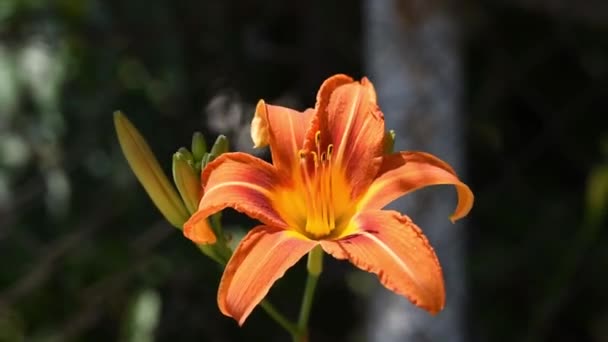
point(187, 181)
point(206, 159)
point(389, 142)
point(149, 173)
point(220, 146)
point(199, 147)
point(186, 154)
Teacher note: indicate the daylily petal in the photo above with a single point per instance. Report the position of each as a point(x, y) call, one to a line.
point(319, 119)
point(328, 87)
point(198, 230)
point(242, 182)
point(356, 125)
point(261, 258)
point(349, 118)
point(283, 129)
point(404, 172)
point(394, 248)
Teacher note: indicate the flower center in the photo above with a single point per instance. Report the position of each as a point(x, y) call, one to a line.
point(316, 198)
point(317, 174)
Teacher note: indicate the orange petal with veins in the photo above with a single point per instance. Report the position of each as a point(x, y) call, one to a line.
point(319, 120)
point(242, 182)
point(393, 247)
point(261, 258)
point(356, 126)
point(283, 129)
point(404, 172)
point(348, 118)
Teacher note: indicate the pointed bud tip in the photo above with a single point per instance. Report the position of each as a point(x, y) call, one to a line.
point(389, 142)
point(119, 118)
point(187, 155)
point(220, 146)
point(199, 146)
point(178, 156)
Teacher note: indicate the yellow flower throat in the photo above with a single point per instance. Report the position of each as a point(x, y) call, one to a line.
point(318, 189)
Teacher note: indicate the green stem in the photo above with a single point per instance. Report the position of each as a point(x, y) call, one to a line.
point(279, 318)
point(315, 267)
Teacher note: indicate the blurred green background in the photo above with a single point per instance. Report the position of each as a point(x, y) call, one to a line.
point(84, 255)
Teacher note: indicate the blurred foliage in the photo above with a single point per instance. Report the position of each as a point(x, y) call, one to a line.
point(86, 257)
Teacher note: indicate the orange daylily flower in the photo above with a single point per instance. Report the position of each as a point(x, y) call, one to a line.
point(327, 185)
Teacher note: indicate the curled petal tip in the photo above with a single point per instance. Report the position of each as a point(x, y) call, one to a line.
point(465, 202)
point(198, 230)
point(370, 88)
point(259, 126)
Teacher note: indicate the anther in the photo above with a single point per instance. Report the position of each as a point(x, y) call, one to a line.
point(330, 150)
point(302, 154)
point(318, 138)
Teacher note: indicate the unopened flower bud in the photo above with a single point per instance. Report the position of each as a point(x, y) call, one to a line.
point(185, 154)
point(149, 173)
point(187, 181)
point(199, 147)
point(220, 146)
point(389, 141)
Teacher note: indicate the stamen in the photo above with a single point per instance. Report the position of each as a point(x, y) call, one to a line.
point(315, 158)
point(330, 197)
point(310, 198)
point(318, 189)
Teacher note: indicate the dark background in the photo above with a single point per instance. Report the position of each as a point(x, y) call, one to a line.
point(83, 252)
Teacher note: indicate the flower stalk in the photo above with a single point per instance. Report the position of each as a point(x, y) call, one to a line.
point(314, 268)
